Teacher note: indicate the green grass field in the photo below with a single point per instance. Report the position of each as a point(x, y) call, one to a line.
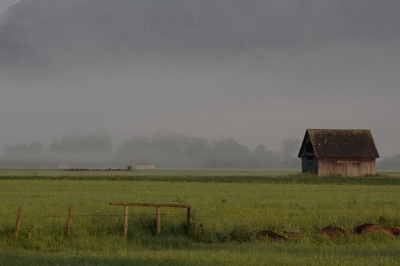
point(228, 208)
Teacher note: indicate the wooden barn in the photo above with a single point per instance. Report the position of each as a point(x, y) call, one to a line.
point(338, 152)
point(142, 163)
point(64, 166)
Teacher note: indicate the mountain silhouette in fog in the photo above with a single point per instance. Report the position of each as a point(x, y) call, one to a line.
point(43, 33)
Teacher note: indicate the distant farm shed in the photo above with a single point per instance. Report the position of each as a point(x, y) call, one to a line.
point(142, 163)
point(64, 166)
point(338, 152)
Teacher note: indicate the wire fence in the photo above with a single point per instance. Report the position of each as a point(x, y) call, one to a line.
point(98, 223)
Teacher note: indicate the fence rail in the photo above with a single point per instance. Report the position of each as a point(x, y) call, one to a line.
point(158, 212)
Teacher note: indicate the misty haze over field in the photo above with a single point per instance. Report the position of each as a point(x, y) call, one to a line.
point(255, 71)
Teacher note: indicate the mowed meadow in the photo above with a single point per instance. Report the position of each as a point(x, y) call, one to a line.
point(228, 207)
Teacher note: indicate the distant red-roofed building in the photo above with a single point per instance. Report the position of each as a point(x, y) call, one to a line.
point(142, 163)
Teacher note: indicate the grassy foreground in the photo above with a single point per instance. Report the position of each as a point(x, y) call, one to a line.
point(229, 206)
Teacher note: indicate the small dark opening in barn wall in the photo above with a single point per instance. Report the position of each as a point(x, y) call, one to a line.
point(309, 164)
point(309, 161)
point(309, 148)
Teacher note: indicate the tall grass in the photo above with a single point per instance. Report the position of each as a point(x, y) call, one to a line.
point(226, 216)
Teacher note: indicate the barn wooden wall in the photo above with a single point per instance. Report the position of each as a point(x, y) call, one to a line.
point(346, 166)
point(144, 167)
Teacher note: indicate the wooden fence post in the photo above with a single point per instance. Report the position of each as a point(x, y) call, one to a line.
point(18, 222)
point(188, 216)
point(158, 220)
point(158, 213)
point(69, 221)
point(126, 220)
point(194, 232)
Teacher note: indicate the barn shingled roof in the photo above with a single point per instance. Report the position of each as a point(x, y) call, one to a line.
point(342, 143)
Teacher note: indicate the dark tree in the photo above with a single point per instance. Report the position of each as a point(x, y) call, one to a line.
point(21, 154)
point(229, 153)
point(135, 146)
point(98, 141)
point(289, 148)
point(265, 158)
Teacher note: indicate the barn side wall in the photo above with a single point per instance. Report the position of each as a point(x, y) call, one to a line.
point(346, 166)
point(144, 167)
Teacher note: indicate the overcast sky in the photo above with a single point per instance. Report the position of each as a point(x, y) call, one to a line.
point(343, 84)
point(4, 4)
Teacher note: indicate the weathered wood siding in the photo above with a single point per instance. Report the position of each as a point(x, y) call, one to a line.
point(346, 166)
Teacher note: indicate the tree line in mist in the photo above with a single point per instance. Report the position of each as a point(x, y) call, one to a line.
point(391, 162)
point(94, 149)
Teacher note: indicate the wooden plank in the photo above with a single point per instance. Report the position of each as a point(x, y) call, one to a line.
point(18, 222)
point(126, 222)
point(346, 167)
point(188, 216)
point(69, 220)
point(158, 220)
